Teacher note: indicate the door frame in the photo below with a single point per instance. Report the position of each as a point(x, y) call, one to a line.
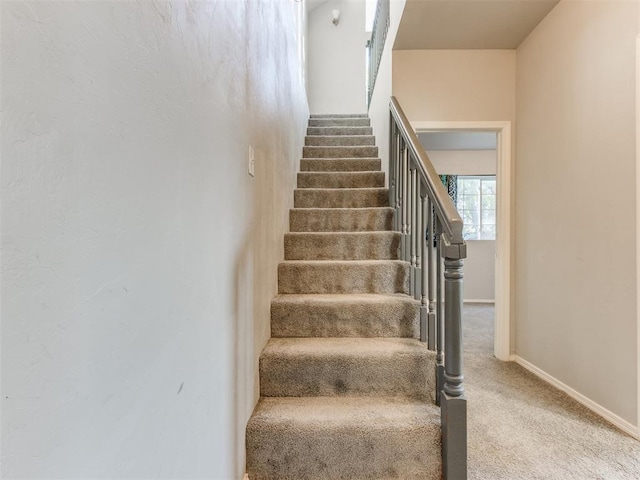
point(502, 323)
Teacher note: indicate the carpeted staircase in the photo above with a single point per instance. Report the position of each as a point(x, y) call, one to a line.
point(346, 388)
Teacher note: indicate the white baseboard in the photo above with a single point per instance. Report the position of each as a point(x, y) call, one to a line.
point(611, 417)
point(478, 301)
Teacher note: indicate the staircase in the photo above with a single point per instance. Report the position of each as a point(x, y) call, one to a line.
point(347, 389)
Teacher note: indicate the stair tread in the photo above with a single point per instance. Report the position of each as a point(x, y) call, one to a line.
point(377, 233)
point(328, 151)
point(361, 315)
point(343, 164)
point(339, 131)
point(342, 298)
point(339, 115)
point(337, 209)
point(340, 136)
point(346, 173)
point(345, 262)
point(357, 412)
point(344, 190)
point(343, 158)
point(350, 347)
point(338, 179)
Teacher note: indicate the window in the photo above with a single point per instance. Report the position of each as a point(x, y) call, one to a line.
point(476, 203)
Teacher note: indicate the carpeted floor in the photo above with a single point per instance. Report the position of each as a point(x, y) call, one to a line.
point(521, 428)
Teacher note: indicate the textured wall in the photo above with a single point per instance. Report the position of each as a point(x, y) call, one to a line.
point(138, 257)
point(575, 200)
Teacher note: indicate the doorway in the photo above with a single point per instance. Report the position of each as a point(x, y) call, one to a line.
point(502, 285)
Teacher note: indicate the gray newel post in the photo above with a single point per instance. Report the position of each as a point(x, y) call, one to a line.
point(452, 399)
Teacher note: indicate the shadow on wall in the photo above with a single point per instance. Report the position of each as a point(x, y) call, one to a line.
point(259, 252)
point(243, 360)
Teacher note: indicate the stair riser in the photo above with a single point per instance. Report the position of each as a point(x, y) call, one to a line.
point(364, 320)
point(339, 152)
point(302, 220)
point(339, 122)
point(344, 246)
point(339, 131)
point(340, 141)
point(338, 115)
point(402, 374)
point(335, 455)
point(348, 165)
point(374, 446)
point(387, 277)
point(340, 198)
point(341, 180)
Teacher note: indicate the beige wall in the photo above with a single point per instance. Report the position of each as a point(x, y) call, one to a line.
point(464, 162)
point(336, 61)
point(469, 84)
point(459, 85)
point(138, 256)
point(575, 201)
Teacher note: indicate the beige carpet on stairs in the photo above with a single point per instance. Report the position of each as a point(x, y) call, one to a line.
point(346, 386)
point(521, 428)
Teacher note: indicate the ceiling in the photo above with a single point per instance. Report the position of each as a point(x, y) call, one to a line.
point(469, 24)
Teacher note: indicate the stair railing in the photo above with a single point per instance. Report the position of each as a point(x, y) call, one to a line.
point(431, 227)
point(375, 45)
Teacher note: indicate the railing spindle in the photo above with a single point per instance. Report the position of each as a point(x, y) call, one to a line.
point(405, 203)
point(431, 316)
point(412, 232)
point(425, 334)
point(419, 239)
point(439, 316)
point(392, 162)
point(397, 169)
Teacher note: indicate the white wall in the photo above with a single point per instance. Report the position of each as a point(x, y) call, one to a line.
point(336, 61)
point(575, 201)
point(480, 271)
point(138, 257)
point(480, 264)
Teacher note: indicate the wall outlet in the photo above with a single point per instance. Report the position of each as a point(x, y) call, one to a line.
point(252, 162)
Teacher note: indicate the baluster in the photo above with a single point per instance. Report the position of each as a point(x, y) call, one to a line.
point(419, 238)
point(400, 188)
point(392, 162)
point(413, 231)
point(425, 335)
point(453, 402)
point(396, 216)
point(453, 326)
point(405, 203)
point(439, 316)
point(431, 316)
